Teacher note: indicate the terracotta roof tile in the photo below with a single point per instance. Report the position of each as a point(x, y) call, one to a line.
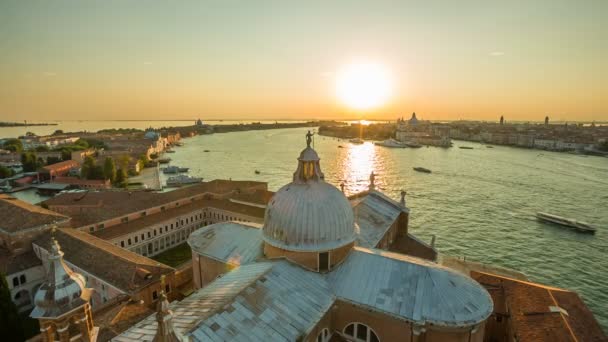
point(18, 215)
point(115, 265)
point(149, 220)
point(533, 312)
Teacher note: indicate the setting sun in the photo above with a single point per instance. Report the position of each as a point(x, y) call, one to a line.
point(363, 85)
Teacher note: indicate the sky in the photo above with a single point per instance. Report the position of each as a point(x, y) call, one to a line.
point(266, 59)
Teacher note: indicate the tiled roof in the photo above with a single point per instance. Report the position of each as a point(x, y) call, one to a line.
point(410, 288)
point(268, 301)
point(374, 214)
point(13, 263)
point(18, 215)
point(98, 206)
point(150, 220)
point(61, 165)
point(230, 242)
point(534, 310)
point(261, 197)
point(115, 265)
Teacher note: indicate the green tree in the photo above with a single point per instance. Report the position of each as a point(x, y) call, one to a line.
point(52, 160)
point(87, 167)
point(14, 145)
point(6, 172)
point(109, 169)
point(121, 178)
point(42, 148)
point(30, 162)
point(11, 326)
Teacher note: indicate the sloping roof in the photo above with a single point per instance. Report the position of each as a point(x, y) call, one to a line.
point(115, 265)
point(150, 220)
point(260, 197)
point(18, 215)
point(374, 214)
point(410, 288)
point(97, 206)
point(61, 165)
point(13, 263)
point(230, 242)
point(269, 301)
point(533, 311)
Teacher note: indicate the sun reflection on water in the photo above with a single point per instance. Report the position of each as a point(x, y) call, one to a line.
point(357, 165)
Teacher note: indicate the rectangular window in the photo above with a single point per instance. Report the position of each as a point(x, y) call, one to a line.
point(154, 295)
point(143, 213)
point(135, 239)
point(162, 208)
point(323, 261)
point(129, 241)
point(124, 219)
point(142, 237)
point(100, 226)
point(149, 235)
point(122, 243)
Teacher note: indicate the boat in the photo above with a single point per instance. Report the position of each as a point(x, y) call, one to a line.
point(169, 151)
point(357, 141)
point(179, 144)
point(340, 146)
point(164, 160)
point(566, 222)
point(488, 146)
point(206, 151)
point(177, 181)
point(391, 143)
point(465, 147)
point(170, 169)
point(183, 169)
point(257, 172)
point(422, 169)
point(412, 144)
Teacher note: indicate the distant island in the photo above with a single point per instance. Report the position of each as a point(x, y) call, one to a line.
point(22, 124)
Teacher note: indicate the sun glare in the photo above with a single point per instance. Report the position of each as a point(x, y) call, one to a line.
point(363, 85)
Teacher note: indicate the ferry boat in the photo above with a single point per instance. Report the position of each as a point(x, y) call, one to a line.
point(391, 143)
point(357, 141)
point(422, 169)
point(177, 181)
point(566, 222)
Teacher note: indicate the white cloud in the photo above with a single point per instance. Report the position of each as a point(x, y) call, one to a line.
point(496, 53)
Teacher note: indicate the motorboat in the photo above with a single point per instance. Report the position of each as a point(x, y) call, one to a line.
point(422, 169)
point(183, 169)
point(170, 169)
point(177, 181)
point(164, 160)
point(566, 222)
point(169, 151)
point(465, 147)
point(392, 143)
point(357, 141)
point(257, 172)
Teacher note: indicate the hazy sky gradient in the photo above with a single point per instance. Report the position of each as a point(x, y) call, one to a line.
point(276, 59)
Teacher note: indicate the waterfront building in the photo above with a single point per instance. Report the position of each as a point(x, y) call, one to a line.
point(421, 132)
point(62, 302)
point(312, 273)
point(60, 169)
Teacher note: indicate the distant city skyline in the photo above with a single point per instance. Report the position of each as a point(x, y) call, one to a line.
point(265, 60)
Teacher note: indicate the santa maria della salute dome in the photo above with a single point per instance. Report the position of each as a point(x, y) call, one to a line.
point(309, 214)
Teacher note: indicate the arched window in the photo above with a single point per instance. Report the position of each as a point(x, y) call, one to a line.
point(323, 335)
point(360, 332)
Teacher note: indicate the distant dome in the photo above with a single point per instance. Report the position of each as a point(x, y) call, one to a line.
point(309, 214)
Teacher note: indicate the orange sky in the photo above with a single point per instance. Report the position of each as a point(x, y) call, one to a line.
point(277, 60)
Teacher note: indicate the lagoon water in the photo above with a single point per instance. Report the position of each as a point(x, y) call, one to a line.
point(480, 203)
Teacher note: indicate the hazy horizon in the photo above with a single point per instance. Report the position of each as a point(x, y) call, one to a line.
point(263, 60)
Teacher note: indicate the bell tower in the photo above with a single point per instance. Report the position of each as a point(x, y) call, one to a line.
point(62, 303)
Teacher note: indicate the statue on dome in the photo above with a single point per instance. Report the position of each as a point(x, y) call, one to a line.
point(309, 138)
point(372, 178)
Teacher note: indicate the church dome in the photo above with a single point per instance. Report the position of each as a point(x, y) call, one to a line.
point(308, 214)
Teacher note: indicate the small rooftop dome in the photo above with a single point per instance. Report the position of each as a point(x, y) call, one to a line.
point(63, 290)
point(309, 214)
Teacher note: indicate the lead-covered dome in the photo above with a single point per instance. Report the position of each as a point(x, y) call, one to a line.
point(308, 214)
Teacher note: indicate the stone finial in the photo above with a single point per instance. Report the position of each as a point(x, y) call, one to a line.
point(403, 193)
point(164, 318)
point(372, 179)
